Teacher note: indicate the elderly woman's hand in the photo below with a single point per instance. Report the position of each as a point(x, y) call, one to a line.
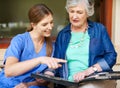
point(79, 76)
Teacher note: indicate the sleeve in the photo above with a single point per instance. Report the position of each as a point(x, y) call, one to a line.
point(110, 55)
point(15, 48)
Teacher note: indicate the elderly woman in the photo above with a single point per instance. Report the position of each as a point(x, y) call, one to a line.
point(85, 45)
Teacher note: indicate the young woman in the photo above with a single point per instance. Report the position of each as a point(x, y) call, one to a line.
point(30, 52)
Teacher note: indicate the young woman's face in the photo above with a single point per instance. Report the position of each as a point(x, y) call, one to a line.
point(45, 26)
point(77, 15)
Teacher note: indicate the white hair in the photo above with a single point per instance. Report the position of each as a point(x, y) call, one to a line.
point(89, 5)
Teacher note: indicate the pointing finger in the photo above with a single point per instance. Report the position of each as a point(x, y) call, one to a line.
point(61, 61)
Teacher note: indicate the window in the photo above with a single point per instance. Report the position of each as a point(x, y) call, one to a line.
point(14, 20)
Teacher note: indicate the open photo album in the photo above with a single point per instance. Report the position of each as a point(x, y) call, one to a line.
point(93, 77)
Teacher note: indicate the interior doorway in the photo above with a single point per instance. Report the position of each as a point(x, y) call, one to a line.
point(106, 14)
point(103, 13)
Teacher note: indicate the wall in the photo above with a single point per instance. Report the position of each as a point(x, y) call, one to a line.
point(116, 27)
point(2, 51)
point(116, 33)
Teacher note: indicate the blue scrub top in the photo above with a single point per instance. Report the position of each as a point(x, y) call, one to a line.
point(22, 48)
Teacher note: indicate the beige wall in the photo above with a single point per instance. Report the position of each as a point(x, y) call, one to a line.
point(2, 51)
point(116, 21)
point(116, 27)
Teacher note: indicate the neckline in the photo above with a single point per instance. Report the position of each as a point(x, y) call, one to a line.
point(33, 46)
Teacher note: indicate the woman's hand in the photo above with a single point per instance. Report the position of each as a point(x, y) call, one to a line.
point(22, 85)
point(43, 82)
point(49, 73)
point(79, 76)
point(52, 62)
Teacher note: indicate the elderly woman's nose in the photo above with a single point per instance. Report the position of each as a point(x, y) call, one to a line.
point(75, 16)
